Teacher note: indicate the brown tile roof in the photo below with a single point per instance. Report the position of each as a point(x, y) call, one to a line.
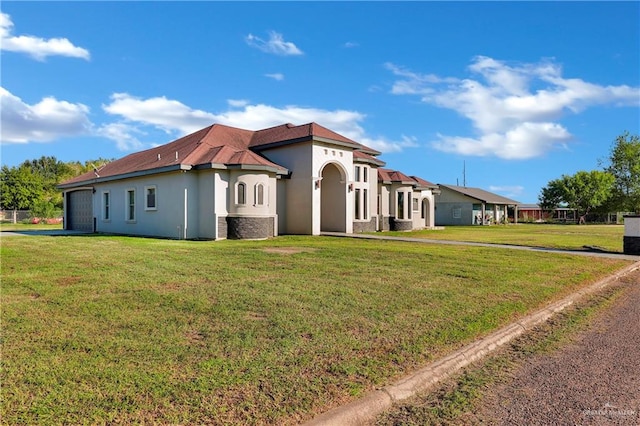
point(421, 183)
point(361, 157)
point(289, 133)
point(388, 176)
point(214, 145)
point(480, 195)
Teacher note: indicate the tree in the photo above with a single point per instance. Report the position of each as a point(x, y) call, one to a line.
point(583, 191)
point(20, 188)
point(624, 165)
point(51, 172)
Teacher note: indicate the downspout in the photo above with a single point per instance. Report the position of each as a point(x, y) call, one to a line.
point(184, 228)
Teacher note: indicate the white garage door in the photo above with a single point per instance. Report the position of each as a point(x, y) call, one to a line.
point(80, 211)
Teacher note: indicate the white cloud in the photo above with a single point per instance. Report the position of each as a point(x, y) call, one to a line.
point(275, 44)
point(160, 112)
point(351, 44)
point(45, 121)
point(507, 191)
point(520, 142)
point(123, 135)
point(237, 103)
point(36, 47)
point(276, 76)
point(174, 117)
point(511, 118)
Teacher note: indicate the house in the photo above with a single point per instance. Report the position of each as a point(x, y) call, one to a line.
point(225, 182)
point(460, 205)
point(535, 213)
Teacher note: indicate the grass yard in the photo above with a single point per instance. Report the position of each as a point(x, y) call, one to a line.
point(100, 329)
point(28, 226)
point(572, 237)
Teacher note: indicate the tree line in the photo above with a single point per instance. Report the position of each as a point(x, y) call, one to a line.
point(32, 184)
point(615, 188)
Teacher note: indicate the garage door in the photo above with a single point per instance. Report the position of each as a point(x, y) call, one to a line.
point(80, 211)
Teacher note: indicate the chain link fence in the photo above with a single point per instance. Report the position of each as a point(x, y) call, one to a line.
point(25, 216)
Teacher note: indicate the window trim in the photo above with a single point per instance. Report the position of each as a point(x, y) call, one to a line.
point(258, 202)
point(400, 205)
point(130, 208)
point(106, 206)
point(155, 198)
point(365, 204)
point(242, 185)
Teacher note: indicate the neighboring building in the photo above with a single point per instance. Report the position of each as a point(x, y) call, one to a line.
point(534, 213)
point(224, 182)
point(459, 205)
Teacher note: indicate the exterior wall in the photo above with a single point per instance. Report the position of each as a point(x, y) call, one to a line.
point(324, 154)
point(384, 210)
point(365, 188)
point(298, 190)
point(364, 226)
point(400, 220)
point(207, 204)
point(303, 190)
point(240, 227)
point(175, 215)
point(428, 221)
point(221, 203)
point(447, 213)
point(255, 216)
point(448, 204)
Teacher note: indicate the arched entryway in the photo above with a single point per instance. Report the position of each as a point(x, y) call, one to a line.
point(425, 213)
point(333, 199)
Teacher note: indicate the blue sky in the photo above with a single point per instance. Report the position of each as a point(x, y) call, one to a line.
point(519, 93)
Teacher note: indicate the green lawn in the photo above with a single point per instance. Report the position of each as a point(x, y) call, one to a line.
point(572, 237)
point(5, 226)
point(101, 329)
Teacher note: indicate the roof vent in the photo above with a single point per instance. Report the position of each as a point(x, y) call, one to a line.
point(158, 157)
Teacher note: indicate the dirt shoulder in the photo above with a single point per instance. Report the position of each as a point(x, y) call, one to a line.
point(580, 368)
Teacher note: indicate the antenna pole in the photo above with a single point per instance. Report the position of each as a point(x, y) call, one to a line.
point(464, 173)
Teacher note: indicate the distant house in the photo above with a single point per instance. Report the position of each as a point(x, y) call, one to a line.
point(459, 205)
point(224, 182)
point(534, 213)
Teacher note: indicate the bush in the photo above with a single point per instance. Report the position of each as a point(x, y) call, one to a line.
point(43, 210)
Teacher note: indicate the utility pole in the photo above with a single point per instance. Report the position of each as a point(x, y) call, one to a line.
point(464, 173)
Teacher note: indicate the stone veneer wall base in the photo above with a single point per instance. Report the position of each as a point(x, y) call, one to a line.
point(251, 228)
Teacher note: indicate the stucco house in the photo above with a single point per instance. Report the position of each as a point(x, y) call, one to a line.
point(461, 205)
point(225, 182)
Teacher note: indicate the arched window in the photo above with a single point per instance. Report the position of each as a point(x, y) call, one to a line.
point(241, 193)
point(259, 194)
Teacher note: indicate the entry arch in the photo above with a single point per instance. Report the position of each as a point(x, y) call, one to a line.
point(333, 198)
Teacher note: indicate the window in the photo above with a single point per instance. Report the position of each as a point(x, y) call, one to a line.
point(457, 213)
point(416, 205)
point(365, 203)
point(241, 193)
point(357, 207)
point(150, 198)
point(400, 209)
point(106, 205)
point(130, 204)
point(259, 194)
point(365, 174)
point(424, 209)
point(357, 177)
